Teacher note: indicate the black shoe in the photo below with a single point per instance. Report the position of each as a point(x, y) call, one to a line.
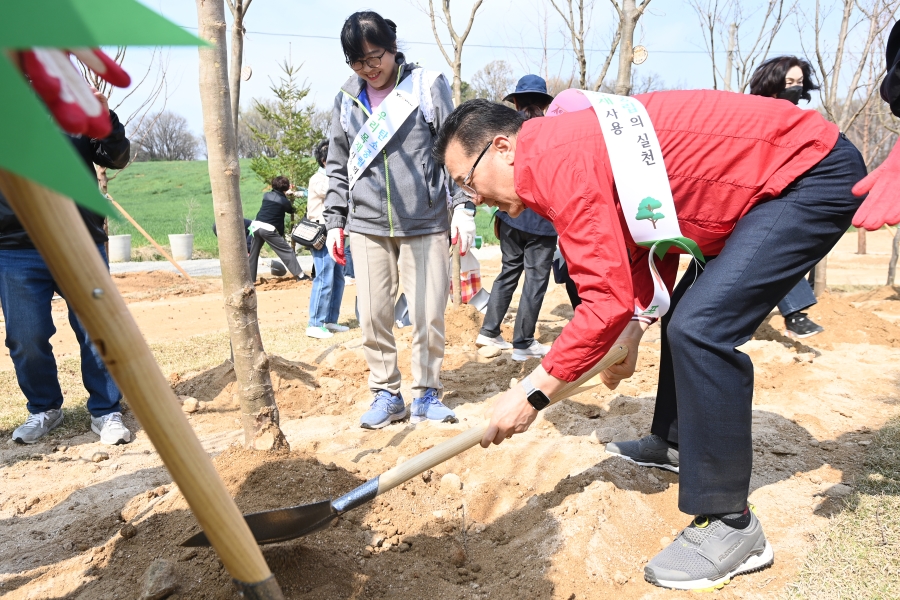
point(303, 277)
point(650, 451)
point(799, 326)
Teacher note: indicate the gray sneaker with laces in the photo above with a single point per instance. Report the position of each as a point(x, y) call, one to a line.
point(37, 426)
point(708, 553)
point(650, 451)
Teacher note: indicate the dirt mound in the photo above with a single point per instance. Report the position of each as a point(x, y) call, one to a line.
point(280, 283)
point(844, 323)
point(154, 285)
point(296, 390)
point(886, 292)
point(464, 323)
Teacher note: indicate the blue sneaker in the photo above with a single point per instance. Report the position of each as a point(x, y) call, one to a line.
point(429, 407)
point(386, 408)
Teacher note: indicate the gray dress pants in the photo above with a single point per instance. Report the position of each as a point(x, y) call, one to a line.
point(282, 249)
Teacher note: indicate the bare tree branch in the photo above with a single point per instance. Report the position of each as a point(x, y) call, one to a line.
point(456, 41)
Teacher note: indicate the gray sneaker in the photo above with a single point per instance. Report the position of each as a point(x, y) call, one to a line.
point(37, 426)
point(708, 553)
point(650, 451)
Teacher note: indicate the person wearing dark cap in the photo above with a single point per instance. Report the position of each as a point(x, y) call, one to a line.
point(528, 243)
point(881, 206)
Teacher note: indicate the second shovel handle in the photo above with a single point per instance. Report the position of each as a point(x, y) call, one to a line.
point(465, 440)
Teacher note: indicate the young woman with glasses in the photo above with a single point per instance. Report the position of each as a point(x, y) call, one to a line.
point(385, 188)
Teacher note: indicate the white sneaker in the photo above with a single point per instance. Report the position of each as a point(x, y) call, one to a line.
point(535, 350)
point(111, 429)
point(336, 328)
point(498, 342)
point(321, 333)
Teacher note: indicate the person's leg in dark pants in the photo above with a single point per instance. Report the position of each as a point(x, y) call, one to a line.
point(513, 249)
point(770, 250)
point(797, 324)
point(282, 249)
point(255, 249)
point(799, 298)
point(538, 260)
point(571, 288)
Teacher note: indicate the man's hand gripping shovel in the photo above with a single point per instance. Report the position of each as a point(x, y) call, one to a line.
point(288, 523)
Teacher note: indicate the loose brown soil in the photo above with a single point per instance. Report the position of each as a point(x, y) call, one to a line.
point(548, 514)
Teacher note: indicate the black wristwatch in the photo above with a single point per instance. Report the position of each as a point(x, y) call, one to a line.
point(536, 397)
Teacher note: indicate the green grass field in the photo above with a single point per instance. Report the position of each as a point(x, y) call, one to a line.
point(157, 195)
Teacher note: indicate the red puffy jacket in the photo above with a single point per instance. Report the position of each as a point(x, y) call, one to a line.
point(724, 153)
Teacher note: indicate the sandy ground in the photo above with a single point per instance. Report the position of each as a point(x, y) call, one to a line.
point(546, 515)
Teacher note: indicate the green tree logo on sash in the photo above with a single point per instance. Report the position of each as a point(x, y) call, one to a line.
point(646, 208)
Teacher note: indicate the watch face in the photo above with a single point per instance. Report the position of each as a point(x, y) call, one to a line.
point(538, 399)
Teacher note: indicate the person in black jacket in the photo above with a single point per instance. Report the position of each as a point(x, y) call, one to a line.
point(26, 291)
point(528, 243)
point(268, 227)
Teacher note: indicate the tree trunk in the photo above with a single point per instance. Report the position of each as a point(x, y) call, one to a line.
point(820, 284)
point(860, 241)
point(251, 365)
point(729, 57)
point(895, 252)
point(455, 259)
point(457, 81)
point(626, 47)
point(237, 59)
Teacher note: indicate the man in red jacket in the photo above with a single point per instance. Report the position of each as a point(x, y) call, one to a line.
point(762, 187)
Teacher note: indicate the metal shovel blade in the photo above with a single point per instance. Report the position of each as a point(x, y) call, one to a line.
point(283, 524)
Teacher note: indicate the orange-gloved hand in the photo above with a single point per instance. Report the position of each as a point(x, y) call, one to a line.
point(882, 206)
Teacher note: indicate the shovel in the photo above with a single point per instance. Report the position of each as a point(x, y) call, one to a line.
point(284, 524)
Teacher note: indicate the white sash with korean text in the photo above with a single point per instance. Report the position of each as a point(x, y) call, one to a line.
point(643, 186)
point(380, 128)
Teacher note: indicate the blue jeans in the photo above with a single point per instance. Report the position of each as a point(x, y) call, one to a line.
point(26, 290)
point(348, 268)
point(327, 290)
point(705, 393)
point(801, 296)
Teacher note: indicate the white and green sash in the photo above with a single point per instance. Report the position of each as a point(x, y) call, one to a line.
point(643, 186)
point(380, 128)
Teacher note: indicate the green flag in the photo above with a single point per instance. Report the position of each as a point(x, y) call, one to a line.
point(33, 145)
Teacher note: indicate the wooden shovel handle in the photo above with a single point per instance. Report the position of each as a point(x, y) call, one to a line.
point(465, 440)
point(84, 279)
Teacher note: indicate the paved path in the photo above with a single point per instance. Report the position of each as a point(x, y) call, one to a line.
point(210, 267)
point(203, 267)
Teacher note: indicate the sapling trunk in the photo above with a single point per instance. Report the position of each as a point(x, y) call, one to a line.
point(259, 414)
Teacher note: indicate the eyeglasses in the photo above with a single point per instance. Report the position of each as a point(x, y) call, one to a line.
point(467, 189)
point(373, 62)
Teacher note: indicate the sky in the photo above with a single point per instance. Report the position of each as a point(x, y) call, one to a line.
point(307, 32)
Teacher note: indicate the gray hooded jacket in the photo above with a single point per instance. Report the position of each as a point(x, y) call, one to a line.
point(401, 193)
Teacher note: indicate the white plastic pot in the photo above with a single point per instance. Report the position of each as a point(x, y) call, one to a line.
point(182, 245)
point(119, 248)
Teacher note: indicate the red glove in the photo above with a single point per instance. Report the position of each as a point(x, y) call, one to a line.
point(882, 206)
point(66, 93)
point(334, 243)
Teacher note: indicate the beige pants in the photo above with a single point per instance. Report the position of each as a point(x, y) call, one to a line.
point(422, 264)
